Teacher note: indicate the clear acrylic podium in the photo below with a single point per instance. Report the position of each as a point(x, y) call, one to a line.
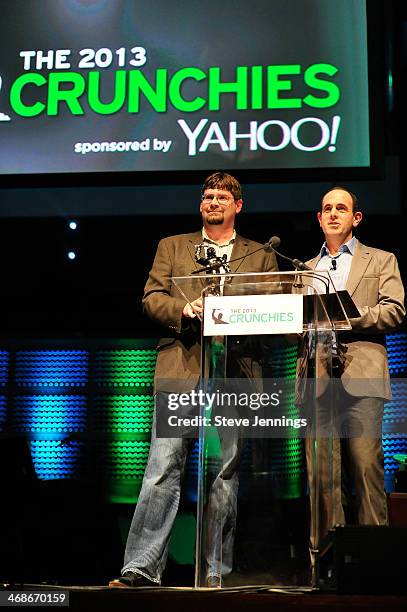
point(255, 524)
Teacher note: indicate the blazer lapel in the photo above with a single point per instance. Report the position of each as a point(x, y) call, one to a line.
point(313, 262)
point(360, 261)
point(240, 249)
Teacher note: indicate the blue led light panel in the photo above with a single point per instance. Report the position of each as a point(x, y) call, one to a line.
point(55, 369)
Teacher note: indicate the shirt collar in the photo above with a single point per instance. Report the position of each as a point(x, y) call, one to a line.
point(347, 247)
point(206, 238)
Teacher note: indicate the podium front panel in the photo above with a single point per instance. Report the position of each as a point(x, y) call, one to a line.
point(266, 482)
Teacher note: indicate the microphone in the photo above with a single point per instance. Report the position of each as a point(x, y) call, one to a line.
point(300, 265)
point(333, 264)
point(273, 243)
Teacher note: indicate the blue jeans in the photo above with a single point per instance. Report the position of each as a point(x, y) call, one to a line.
point(221, 510)
point(157, 506)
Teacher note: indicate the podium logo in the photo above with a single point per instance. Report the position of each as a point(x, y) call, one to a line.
point(3, 116)
point(218, 317)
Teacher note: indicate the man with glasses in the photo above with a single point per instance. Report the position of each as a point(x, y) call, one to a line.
point(179, 358)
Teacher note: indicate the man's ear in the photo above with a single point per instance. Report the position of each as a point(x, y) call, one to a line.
point(239, 204)
point(357, 218)
point(319, 217)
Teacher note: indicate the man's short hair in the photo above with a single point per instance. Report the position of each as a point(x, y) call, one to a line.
point(355, 201)
point(223, 180)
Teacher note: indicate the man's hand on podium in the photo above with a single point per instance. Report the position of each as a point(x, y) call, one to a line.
point(192, 309)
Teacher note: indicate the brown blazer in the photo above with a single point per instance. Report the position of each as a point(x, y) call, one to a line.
point(179, 353)
point(375, 285)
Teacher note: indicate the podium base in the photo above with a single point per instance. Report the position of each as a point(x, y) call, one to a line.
point(363, 560)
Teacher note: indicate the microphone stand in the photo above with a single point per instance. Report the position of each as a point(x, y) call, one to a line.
point(212, 264)
point(301, 266)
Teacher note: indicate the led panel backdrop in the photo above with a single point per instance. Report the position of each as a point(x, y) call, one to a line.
point(173, 85)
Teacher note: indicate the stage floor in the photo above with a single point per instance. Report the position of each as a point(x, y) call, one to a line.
point(292, 599)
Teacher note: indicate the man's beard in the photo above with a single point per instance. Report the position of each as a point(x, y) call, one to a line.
point(215, 219)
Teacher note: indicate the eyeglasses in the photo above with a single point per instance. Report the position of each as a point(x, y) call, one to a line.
point(223, 200)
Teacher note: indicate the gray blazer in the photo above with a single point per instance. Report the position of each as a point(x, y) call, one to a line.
point(179, 353)
point(375, 285)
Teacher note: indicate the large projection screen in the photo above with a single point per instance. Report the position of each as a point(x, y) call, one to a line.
point(102, 86)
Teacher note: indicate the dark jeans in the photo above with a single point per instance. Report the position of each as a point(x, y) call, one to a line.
point(351, 462)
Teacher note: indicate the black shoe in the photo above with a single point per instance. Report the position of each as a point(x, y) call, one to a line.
point(131, 579)
point(213, 582)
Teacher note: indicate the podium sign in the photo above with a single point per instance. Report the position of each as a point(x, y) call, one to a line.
point(235, 315)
